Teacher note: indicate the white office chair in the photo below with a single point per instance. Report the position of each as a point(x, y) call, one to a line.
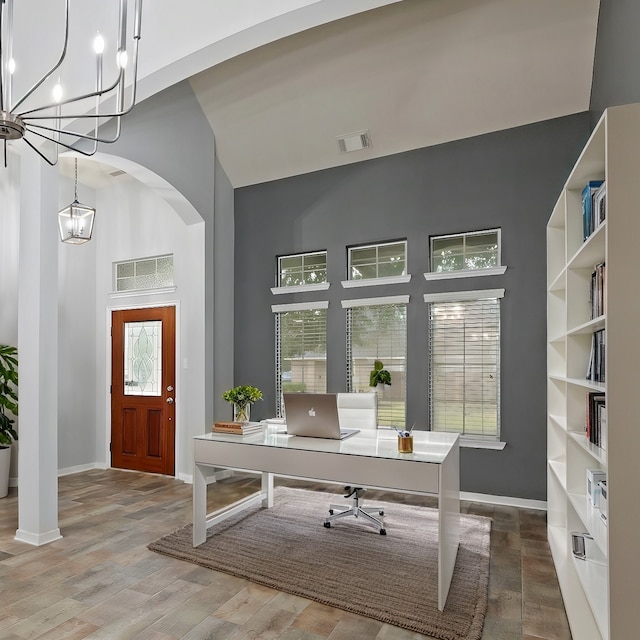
point(356, 411)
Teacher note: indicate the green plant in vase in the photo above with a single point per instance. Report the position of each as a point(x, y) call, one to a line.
point(8, 394)
point(242, 398)
point(379, 375)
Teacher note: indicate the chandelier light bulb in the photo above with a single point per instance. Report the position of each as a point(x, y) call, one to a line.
point(98, 44)
point(122, 59)
point(57, 92)
point(11, 66)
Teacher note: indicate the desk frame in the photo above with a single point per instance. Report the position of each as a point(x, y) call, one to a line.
point(399, 474)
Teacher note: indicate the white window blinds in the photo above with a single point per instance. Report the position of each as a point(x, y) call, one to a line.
point(379, 332)
point(301, 351)
point(464, 364)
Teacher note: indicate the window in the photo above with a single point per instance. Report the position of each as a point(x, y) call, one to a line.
point(464, 362)
point(378, 261)
point(144, 274)
point(377, 330)
point(302, 269)
point(466, 251)
point(301, 349)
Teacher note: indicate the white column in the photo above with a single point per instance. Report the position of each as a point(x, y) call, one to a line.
point(38, 352)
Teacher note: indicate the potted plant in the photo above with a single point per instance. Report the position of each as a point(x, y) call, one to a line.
point(8, 409)
point(242, 398)
point(379, 375)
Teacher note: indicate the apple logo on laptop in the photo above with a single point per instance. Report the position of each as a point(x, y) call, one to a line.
point(312, 412)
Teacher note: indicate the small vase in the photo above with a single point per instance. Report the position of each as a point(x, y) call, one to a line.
point(241, 413)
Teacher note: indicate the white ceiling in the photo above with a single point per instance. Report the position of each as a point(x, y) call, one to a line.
point(414, 73)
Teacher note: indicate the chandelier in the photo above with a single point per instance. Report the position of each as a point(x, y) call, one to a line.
point(53, 120)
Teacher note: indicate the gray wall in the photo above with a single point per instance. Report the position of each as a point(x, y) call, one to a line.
point(616, 71)
point(510, 179)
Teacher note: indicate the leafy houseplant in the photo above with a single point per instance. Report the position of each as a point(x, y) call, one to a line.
point(8, 394)
point(242, 398)
point(379, 375)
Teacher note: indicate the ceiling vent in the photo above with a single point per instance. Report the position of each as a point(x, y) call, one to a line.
point(354, 141)
point(116, 173)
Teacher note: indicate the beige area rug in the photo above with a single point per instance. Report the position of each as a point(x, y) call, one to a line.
point(351, 566)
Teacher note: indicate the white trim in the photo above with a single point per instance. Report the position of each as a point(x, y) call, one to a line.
point(299, 288)
point(141, 292)
point(481, 443)
point(68, 471)
point(370, 302)
point(300, 306)
point(369, 282)
point(508, 501)
point(455, 296)
point(465, 273)
point(38, 539)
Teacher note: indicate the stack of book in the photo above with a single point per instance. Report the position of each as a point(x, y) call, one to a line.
point(597, 293)
point(594, 206)
point(596, 419)
point(239, 428)
point(596, 368)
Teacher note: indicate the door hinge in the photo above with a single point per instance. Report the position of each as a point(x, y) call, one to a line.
point(109, 446)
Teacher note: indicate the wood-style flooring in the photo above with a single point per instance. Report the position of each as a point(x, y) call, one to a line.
point(101, 581)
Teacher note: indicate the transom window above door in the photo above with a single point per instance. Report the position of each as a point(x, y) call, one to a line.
point(143, 274)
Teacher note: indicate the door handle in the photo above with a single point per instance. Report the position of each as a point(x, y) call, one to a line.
point(169, 388)
point(169, 400)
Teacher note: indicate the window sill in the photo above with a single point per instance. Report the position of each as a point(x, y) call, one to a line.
point(141, 292)
point(369, 282)
point(465, 273)
point(475, 443)
point(298, 288)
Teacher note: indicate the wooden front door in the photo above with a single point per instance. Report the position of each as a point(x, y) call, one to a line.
point(143, 390)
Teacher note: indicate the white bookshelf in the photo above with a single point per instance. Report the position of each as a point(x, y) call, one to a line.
point(600, 592)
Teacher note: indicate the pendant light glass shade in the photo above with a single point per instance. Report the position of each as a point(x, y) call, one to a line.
point(75, 221)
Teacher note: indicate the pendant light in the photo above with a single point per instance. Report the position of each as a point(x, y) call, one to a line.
point(75, 221)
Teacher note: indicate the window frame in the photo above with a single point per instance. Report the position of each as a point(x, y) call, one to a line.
point(135, 262)
point(491, 441)
point(315, 286)
point(499, 269)
point(377, 280)
point(277, 311)
point(349, 305)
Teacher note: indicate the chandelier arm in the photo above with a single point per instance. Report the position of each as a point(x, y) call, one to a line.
point(60, 59)
point(2, 70)
point(52, 164)
point(52, 105)
point(62, 144)
point(30, 127)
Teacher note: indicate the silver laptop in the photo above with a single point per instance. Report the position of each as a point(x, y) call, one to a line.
point(314, 415)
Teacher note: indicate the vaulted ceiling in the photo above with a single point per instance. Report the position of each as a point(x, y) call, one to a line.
point(413, 73)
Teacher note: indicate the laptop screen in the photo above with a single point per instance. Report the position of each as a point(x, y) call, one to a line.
point(314, 415)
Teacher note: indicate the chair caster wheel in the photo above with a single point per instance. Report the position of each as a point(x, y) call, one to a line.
point(381, 513)
point(330, 512)
point(383, 532)
point(327, 525)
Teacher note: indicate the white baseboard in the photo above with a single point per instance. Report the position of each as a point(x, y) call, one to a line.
point(37, 539)
point(507, 501)
point(67, 471)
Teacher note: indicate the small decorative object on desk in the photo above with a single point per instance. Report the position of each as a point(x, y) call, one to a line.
point(242, 398)
point(405, 440)
point(238, 428)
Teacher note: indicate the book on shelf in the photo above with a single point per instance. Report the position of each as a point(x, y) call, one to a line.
point(600, 205)
point(588, 218)
point(239, 428)
point(604, 435)
point(596, 368)
point(597, 293)
point(593, 427)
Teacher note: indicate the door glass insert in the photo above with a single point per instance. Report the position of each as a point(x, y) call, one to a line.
point(143, 358)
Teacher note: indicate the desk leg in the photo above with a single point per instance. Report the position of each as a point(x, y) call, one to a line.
point(199, 505)
point(267, 490)
point(448, 522)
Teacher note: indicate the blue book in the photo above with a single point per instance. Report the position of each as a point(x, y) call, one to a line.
point(588, 220)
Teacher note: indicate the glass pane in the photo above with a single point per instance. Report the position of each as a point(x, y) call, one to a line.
point(126, 284)
point(143, 358)
point(290, 271)
point(366, 256)
point(363, 271)
point(481, 260)
point(165, 266)
point(391, 269)
point(447, 262)
point(446, 254)
point(145, 267)
point(125, 269)
point(483, 241)
point(391, 252)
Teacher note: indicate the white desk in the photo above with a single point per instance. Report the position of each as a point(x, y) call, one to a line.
point(368, 459)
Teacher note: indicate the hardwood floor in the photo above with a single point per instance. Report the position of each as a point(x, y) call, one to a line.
point(100, 580)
